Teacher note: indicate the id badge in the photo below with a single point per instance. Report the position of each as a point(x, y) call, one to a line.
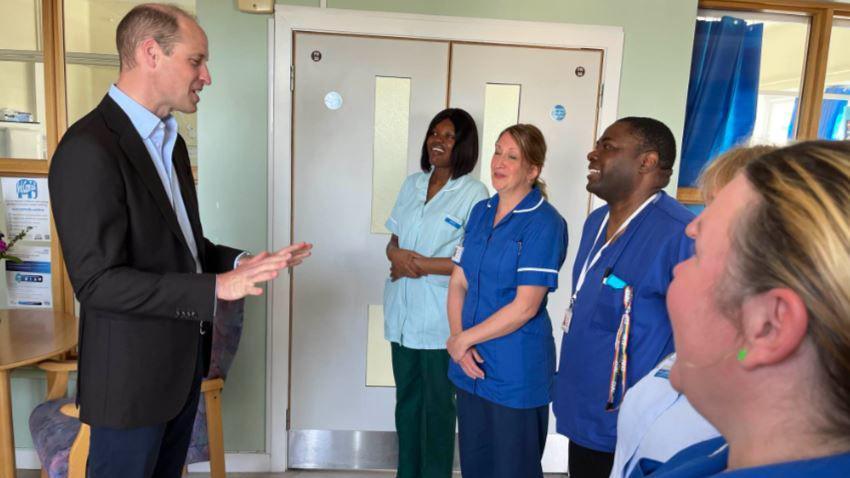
point(568, 316)
point(458, 254)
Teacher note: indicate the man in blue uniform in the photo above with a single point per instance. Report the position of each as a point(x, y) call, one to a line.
point(616, 329)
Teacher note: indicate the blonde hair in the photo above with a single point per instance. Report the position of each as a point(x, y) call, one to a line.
point(532, 145)
point(797, 236)
point(720, 171)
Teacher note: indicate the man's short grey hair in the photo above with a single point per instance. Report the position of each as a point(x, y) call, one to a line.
point(148, 20)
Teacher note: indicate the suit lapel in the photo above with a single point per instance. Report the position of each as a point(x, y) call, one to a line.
point(139, 157)
point(183, 169)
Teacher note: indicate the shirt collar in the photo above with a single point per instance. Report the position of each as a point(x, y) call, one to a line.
point(529, 203)
point(422, 182)
point(143, 119)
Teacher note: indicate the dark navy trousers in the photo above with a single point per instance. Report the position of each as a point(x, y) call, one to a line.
point(500, 442)
point(157, 451)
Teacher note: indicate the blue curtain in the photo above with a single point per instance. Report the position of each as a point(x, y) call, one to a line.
point(722, 93)
point(833, 115)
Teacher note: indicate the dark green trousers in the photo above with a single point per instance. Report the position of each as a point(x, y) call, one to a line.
point(424, 413)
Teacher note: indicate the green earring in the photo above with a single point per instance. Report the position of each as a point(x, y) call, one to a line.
point(742, 354)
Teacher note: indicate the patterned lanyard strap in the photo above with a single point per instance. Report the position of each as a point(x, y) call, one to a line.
point(621, 357)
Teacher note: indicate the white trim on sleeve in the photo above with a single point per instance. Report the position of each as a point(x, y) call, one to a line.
point(536, 269)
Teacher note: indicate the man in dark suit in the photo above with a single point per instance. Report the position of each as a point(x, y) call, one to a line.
point(147, 280)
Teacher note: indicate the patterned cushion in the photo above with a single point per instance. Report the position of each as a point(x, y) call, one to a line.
point(53, 434)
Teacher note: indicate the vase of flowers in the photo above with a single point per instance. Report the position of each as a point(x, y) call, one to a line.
point(6, 248)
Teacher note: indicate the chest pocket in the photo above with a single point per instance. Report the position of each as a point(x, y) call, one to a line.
point(446, 232)
point(609, 308)
point(508, 264)
point(470, 261)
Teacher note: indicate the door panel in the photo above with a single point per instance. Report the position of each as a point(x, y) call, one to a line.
point(333, 172)
point(351, 150)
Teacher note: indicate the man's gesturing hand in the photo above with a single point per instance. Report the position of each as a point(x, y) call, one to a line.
point(251, 272)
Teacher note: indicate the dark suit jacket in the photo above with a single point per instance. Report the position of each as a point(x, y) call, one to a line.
point(132, 271)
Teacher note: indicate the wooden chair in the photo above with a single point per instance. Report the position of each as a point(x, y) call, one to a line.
point(62, 441)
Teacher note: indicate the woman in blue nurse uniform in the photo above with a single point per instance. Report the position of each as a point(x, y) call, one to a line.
point(503, 353)
point(761, 320)
point(426, 224)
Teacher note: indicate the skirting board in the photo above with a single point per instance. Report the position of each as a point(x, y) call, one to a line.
point(553, 459)
point(27, 459)
point(378, 450)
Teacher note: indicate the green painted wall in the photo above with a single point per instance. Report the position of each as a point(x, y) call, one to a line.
point(232, 186)
point(232, 142)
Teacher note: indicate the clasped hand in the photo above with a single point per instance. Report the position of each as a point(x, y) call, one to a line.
point(465, 355)
point(403, 263)
point(246, 278)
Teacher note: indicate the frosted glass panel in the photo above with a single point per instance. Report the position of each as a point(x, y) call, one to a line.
point(501, 109)
point(379, 366)
point(20, 25)
point(22, 133)
point(90, 24)
point(86, 87)
point(392, 124)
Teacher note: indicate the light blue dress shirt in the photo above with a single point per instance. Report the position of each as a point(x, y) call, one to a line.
point(415, 309)
point(159, 137)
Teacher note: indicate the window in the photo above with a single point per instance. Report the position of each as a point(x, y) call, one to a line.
point(835, 114)
point(801, 85)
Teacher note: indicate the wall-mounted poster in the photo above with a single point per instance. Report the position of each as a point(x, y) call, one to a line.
point(28, 283)
point(27, 205)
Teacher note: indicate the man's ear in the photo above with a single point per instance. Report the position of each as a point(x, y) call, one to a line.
point(648, 161)
point(774, 326)
point(148, 53)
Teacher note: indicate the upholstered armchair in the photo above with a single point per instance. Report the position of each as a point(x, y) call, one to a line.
point(62, 442)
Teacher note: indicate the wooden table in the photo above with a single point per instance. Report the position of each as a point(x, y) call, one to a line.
point(26, 337)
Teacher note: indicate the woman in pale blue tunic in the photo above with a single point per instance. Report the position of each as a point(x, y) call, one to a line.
point(427, 223)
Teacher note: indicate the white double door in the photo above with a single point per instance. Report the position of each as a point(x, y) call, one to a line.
point(361, 107)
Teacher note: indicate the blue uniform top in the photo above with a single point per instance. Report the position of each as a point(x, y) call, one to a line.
point(643, 256)
point(710, 458)
point(415, 309)
point(527, 247)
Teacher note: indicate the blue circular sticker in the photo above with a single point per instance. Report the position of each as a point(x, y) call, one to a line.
point(558, 113)
point(333, 100)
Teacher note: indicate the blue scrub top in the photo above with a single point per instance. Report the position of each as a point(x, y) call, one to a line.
point(710, 458)
point(643, 256)
point(527, 247)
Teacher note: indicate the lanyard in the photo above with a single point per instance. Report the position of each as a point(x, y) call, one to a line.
point(588, 263)
point(619, 366)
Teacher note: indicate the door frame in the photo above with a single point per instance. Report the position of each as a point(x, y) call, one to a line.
point(289, 19)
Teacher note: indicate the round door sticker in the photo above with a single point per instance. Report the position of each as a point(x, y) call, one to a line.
point(558, 113)
point(333, 100)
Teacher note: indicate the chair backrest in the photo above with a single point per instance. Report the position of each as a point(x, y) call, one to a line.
point(227, 331)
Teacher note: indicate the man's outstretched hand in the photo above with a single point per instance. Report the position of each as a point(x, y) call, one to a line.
point(253, 271)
